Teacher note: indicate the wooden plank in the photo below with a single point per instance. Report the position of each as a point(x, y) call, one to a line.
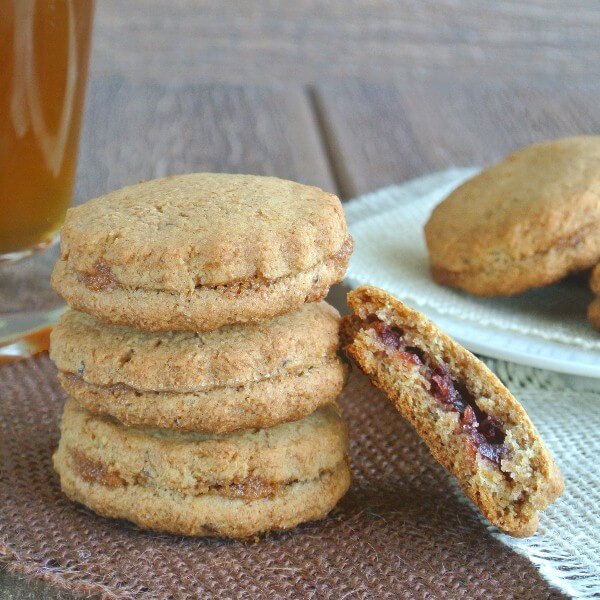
point(140, 130)
point(309, 40)
point(384, 134)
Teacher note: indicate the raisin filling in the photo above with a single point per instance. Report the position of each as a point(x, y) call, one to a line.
point(484, 431)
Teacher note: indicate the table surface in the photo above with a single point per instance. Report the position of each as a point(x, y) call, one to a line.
point(347, 96)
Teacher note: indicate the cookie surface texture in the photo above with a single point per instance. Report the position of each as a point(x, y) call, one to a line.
point(195, 484)
point(195, 252)
point(525, 222)
point(236, 377)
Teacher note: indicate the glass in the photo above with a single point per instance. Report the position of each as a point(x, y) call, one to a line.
point(44, 49)
point(44, 45)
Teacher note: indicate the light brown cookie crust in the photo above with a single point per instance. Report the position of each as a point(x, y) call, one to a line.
point(594, 313)
point(197, 463)
point(197, 484)
point(259, 404)
point(210, 516)
point(111, 354)
point(595, 280)
point(232, 378)
point(509, 493)
point(194, 252)
point(205, 308)
point(527, 221)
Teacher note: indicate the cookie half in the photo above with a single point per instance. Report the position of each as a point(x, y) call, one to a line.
point(194, 484)
point(195, 252)
point(594, 307)
point(527, 221)
point(236, 377)
point(472, 424)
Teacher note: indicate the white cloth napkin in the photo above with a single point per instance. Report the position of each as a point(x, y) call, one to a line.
point(390, 253)
point(566, 549)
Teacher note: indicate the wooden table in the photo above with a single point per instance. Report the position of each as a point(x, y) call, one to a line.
point(349, 96)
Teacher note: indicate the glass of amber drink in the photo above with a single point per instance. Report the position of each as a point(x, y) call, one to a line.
point(44, 45)
point(44, 48)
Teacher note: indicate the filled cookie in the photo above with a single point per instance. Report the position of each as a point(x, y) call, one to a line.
point(472, 424)
point(235, 377)
point(208, 485)
point(196, 252)
point(527, 221)
point(594, 307)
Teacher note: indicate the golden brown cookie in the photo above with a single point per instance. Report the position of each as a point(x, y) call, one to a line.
point(195, 484)
point(195, 252)
point(594, 307)
point(235, 377)
point(527, 221)
point(472, 424)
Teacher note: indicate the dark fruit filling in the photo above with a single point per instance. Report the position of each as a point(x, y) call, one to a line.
point(484, 431)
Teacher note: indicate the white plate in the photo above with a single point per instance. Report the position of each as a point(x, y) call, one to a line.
point(521, 349)
point(544, 328)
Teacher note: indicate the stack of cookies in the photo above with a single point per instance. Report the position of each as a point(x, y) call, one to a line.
point(200, 360)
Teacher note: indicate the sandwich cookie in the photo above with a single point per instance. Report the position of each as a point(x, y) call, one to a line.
point(236, 485)
point(236, 377)
point(527, 221)
point(472, 424)
point(196, 252)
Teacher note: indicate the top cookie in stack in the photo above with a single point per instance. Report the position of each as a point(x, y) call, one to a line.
point(201, 366)
point(196, 252)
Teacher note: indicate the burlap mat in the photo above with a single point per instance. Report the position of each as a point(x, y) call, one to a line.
point(399, 533)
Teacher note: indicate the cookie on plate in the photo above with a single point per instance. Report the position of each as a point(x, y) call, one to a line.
point(195, 252)
point(195, 484)
point(472, 424)
point(594, 307)
point(235, 377)
point(527, 221)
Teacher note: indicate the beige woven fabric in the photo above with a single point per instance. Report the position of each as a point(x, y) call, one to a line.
point(390, 253)
point(401, 532)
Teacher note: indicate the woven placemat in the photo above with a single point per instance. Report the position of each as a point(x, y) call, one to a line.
point(400, 532)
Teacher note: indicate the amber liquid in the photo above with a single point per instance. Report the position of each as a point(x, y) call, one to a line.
point(44, 48)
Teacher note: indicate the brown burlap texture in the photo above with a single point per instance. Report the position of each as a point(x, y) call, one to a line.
point(399, 533)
